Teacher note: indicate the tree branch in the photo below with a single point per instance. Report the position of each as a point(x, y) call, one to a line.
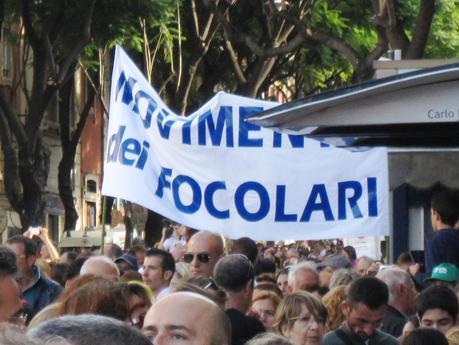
point(91, 81)
point(380, 48)
point(288, 47)
point(50, 57)
point(195, 19)
point(83, 117)
point(10, 170)
point(237, 67)
point(386, 19)
point(336, 44)
point(254, 46)
point(55, 25)
point(72, 55)
point(12, 119)
point(25, 13)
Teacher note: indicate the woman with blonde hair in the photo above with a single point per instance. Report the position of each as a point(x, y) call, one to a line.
point(453, 335)
point(301, 318)
point(264, 305)
point(332, 301)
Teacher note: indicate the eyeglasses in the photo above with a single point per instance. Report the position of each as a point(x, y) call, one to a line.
point(202, 257)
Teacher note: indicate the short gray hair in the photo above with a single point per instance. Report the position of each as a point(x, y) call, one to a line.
point(304, 265)
point(366, 259)
point(394, 277)
point(269, 339)
point(11, 334)
point(89, 329)
point(98, 258)
point(343, 276)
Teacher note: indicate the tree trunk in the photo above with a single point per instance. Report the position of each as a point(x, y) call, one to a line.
point(65, 190)
point(69, 144)
point(33, 171)
point(153, 228)
point(128, 224)
point(422, 29)
point(67, 162)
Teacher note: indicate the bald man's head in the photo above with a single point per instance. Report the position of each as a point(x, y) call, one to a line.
point(203, 252)
point(192, 317)
point(100, 266)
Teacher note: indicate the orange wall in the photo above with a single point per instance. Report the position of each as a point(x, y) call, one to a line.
point(91, 143)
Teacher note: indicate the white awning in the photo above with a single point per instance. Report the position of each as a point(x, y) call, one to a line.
point(415, 109)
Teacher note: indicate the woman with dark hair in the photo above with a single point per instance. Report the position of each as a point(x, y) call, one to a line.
point(404, 260)
point(59, 272)
point(425, 336)
point(351, 254)
point(52, 310)
point(139, 301)
point(99, 296)
point(264, 305)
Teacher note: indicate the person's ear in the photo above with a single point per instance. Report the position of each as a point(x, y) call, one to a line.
point(345, 308)
point(249, 286)
point(285, 330)
point(30, 260)
point(167, 275)
point(435, 215)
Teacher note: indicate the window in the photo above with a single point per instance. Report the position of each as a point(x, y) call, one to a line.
point(91, 214)
point(7, 53)
point(91, 186)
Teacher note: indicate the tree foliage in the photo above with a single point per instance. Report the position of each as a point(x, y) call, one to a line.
point(191, 49)
point(305, 45)
point(58, 32)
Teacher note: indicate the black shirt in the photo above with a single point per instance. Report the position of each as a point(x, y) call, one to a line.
point(243, 327)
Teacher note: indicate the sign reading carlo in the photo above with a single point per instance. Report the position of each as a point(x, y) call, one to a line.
point(213, 170)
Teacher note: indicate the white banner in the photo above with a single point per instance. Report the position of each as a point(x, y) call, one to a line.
point(212, 170)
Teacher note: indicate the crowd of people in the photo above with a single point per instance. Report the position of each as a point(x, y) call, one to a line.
point(193, 287)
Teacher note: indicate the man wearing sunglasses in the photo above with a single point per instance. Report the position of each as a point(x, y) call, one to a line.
point(203, 252)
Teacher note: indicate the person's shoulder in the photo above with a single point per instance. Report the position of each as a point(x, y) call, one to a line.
point(447, 232)
point(168, 242)
point(255, 324)
point(236, 316)
point(445, 236)
point(384, 338)
point(331, 338)
point(51, 285)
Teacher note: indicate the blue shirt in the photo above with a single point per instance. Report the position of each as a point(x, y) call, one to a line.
point(444, 247)
point(42, 292)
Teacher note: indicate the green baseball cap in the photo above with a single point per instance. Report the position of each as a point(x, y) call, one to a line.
point(446, 272)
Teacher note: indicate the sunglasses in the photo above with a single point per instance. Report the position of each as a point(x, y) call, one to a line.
point(202, 257)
